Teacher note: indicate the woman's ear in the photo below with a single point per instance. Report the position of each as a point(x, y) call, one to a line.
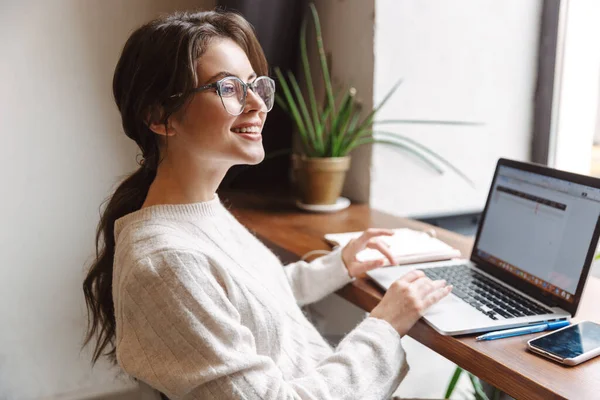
point(162, 129)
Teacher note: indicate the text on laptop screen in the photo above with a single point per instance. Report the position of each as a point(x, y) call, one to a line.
point(539, 228)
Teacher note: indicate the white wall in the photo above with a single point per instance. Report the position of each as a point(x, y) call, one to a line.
point(577, 106)
point(470, 60)
point(63, 150)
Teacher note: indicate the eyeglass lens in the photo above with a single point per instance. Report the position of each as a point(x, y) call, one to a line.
point(234, 100)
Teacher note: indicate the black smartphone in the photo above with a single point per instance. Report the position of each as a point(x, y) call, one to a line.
point(570, 345)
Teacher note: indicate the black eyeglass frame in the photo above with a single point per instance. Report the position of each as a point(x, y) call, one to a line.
point(252, 85)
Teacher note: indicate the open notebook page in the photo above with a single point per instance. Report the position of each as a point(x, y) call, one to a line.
point(407, 245)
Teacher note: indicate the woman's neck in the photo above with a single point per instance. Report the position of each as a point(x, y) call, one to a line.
point(182, 183)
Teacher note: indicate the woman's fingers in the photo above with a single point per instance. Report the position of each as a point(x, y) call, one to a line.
point(437, 295)
point(371, 233)
point(424, 286)
point(412, 276)
point(383, 248)
point(363, 267)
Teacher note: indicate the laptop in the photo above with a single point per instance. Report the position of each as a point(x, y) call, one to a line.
point(532, 254)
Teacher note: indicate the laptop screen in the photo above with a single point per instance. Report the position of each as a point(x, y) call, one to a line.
point(539, 229)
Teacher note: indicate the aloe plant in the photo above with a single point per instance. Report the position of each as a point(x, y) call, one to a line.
point(335, 128)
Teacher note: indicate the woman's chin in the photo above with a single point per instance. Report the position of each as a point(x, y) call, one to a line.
point(255, 157)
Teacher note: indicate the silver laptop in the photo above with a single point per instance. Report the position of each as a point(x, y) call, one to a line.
point(532, 253)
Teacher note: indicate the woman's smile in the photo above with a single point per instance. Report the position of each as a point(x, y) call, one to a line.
point(249, 130)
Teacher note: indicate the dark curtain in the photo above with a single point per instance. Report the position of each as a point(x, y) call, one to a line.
point(277, 25)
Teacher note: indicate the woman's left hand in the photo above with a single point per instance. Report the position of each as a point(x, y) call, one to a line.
point(369, 239)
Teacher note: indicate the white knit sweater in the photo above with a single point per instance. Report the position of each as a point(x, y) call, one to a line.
point(205, 311)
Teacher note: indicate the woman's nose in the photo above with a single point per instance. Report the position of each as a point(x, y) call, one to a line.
point(254, 102)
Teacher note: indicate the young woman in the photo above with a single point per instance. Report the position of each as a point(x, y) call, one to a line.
point(181, 295)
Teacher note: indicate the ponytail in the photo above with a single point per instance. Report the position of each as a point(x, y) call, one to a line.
point(97, 286)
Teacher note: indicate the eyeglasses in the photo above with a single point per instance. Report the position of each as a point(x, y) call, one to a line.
point(233, 92)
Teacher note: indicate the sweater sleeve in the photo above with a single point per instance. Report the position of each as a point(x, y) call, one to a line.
point(312, 281)
point(178, 332)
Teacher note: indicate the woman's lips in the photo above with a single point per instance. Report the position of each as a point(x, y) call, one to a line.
point(247, 129)
point(249, 132)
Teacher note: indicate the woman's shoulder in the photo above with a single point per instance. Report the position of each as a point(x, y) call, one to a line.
point(148, 236)
point(156, 242)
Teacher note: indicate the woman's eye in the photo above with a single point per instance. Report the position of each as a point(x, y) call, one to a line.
point(227, 89)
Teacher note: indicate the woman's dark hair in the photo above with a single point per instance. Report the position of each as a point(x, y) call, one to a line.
point(158, 63)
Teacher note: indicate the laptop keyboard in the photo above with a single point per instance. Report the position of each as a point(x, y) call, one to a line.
point(487, 296)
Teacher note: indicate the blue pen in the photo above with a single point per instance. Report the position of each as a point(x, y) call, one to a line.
point(523, 330)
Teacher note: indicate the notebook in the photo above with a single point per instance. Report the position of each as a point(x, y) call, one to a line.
point(407, 245)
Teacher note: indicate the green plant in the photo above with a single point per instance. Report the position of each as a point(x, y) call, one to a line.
point(479, 394)
point(336, 128)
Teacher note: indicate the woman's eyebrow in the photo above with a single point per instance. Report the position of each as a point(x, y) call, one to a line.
point(224, 74)
point(218, 76)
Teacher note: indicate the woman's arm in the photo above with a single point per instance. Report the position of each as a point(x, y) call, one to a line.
point(312, 281)
point(178, 332)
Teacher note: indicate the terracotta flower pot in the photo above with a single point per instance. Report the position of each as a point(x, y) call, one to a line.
point(321, 179)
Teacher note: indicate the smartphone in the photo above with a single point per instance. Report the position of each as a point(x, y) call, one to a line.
point(570, 345)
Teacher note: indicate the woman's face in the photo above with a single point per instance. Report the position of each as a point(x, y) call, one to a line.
point(204, 129)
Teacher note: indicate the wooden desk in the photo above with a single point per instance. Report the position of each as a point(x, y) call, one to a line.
point(503, 363)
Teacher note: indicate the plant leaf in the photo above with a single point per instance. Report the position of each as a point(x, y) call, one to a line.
point(294, 110)
point(325, 128)
point(341, 121)
point(281, 102)
point(320, 130)
point(308, 75)
point(479, 393)
point(453, 381)
point(353, 133)
point(399, 145)
point(316, 142)
point(348, 132)
point(369, 118)
point(322, 58)
point(426, 150)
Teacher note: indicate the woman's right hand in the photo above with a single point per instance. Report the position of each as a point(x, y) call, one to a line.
point(408, 298)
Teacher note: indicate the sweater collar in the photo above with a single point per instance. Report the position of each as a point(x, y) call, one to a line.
point(180, 212)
